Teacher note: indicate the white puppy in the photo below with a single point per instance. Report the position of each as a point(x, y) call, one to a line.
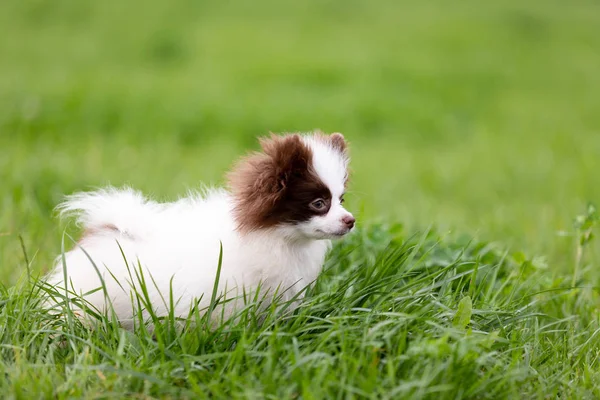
point(275, 223)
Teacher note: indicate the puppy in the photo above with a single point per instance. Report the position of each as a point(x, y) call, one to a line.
point(274, 225)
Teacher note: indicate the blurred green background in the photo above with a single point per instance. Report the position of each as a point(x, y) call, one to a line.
point(479, 117)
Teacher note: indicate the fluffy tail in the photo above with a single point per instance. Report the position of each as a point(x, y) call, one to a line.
point(118, 210)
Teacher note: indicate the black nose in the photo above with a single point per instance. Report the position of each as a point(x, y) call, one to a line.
point(349, 220)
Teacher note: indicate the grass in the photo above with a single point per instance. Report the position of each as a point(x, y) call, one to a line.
point(392, 316)
point(478, 118)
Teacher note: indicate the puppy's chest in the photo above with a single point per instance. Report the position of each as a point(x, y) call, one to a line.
point(285, 267)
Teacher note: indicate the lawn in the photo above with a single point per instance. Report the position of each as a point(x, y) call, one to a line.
point(475, 138)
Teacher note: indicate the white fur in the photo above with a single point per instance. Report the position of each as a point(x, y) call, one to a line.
point(177, 245)
point(331, 166)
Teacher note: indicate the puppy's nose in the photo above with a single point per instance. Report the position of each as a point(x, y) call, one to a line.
point(349, 221)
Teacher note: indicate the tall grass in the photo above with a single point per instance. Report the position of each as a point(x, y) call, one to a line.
point(393, 315)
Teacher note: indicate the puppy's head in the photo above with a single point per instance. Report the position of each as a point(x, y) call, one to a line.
point(297, 183)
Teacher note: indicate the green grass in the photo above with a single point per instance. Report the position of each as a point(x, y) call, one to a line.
point(392, 316)
point(479, 118)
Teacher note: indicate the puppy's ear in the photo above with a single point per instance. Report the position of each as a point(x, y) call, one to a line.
point(338, 142)
point(288, 155)
point(259, 182)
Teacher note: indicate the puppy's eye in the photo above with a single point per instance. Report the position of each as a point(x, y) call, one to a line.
point(342, 199)
point(318, 205)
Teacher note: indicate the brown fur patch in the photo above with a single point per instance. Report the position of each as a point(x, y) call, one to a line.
point(277, 185)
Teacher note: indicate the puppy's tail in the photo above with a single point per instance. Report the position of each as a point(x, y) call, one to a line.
point(113, 211)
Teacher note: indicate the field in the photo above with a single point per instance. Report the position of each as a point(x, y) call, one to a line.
point(475, 138)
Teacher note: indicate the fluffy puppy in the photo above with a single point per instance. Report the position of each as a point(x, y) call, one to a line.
point(274, 223)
